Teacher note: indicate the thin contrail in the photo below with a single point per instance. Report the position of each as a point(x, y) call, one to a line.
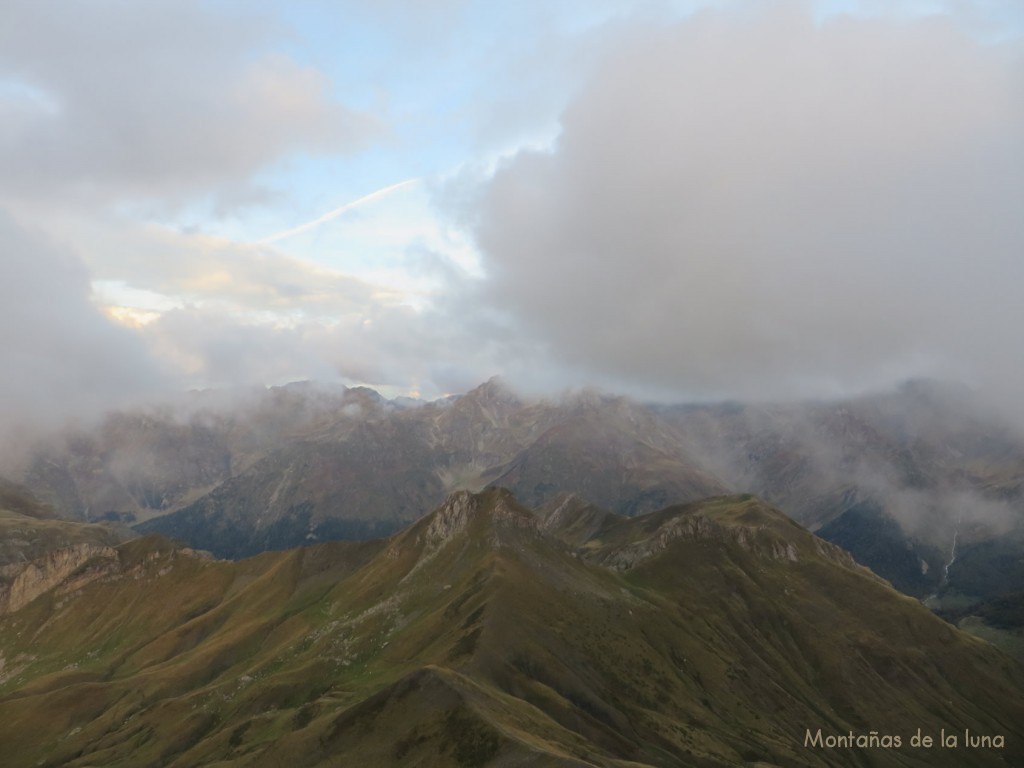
point(336, 212)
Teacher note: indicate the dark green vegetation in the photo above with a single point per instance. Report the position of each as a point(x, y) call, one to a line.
point(710, 634)
point(984, 568)
point(207, 527)
point(1000, 620)
point(879, 543)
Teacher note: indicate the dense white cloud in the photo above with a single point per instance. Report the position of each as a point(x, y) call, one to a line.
point(121, 100)
point(61, 356)
point(739, 203)
point(758, 205)
point(395, 348)
point(203, 269)
point(109, 108)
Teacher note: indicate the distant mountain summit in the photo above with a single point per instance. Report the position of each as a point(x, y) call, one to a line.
point(391, 465)
point(896, 478)
point(716, 633)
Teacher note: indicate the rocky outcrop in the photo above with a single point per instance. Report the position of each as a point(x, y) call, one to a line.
point(759, 537)
point(454, 516)
point(21, 583)
point(753, 538)
point(450, 520)
point(688, 527)
point(506, 513)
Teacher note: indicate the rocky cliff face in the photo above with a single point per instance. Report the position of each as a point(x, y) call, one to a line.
point(21, 583)
point(450, 520)
point(750, 524)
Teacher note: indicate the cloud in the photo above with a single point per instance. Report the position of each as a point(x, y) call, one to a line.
point(737, 205)
point(201, 269)
point(112, 115)
point(61, 357)
point(757, 205)
point(396, 348)
point(112, 100)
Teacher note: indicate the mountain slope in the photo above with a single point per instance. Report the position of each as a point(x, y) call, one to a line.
point(709, 634)
point(926, 468)
point(923, 484)
point(135, 465)
point(390, 469)
point(613, 454)
point(367, 486)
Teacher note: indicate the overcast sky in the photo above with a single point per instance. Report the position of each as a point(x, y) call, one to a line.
point(669, 199)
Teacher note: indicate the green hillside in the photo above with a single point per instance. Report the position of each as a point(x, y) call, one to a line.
point(711, 634)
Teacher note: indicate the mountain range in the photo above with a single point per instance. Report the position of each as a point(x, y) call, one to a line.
point(715, 633)
point(922, 484)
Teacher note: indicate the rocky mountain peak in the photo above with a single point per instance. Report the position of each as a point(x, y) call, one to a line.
point(451, 518)
point(461, 508)
point(492, 392)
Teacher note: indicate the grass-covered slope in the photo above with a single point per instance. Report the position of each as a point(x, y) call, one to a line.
point(712, 634)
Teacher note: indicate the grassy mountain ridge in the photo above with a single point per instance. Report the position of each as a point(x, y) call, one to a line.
point(707, 634)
